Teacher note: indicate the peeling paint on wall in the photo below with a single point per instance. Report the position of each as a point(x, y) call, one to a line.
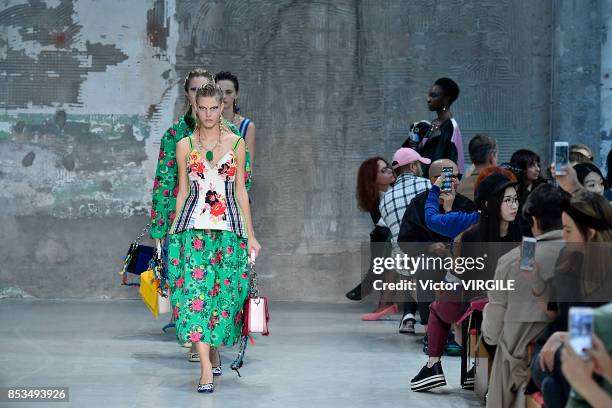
point(45, 61)
point(83, 103)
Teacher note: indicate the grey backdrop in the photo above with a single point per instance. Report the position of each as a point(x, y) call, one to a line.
point(88, 89)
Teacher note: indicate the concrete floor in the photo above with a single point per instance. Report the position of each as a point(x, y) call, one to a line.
point(113, 354)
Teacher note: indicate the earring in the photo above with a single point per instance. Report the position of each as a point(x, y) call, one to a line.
point(444, 108)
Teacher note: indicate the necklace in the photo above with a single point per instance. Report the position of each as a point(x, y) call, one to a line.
point(234, 119)
point(209, 152)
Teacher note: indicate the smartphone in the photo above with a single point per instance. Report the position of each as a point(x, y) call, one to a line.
point(528, 247)
point(581, 329)
point(447, 179)
point(561, 156)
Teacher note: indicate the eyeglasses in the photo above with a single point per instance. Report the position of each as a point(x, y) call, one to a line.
point(455, 177)
point(511, 200)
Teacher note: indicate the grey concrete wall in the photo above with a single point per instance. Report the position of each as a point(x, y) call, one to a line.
point(606, 82)
point(576, 71)
point(87, 88)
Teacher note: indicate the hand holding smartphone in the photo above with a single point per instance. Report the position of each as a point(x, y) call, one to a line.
point(581, 330)
point(528, 247)
point(447, 179)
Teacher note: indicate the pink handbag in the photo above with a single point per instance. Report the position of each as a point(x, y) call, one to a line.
point(257, 315)
point(256, 312)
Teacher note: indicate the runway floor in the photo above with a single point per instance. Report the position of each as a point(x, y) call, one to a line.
point(114, 354)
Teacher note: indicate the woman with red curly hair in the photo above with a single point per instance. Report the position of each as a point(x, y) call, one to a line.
point(374, 177)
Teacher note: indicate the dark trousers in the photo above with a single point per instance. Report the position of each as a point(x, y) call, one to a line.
point(555, 388)
point(424, 297)
point(422, 307)
point(442, 315)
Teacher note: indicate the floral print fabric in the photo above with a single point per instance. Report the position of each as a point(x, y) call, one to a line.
point(208, 274)
point(211, 203)
point(165, 185)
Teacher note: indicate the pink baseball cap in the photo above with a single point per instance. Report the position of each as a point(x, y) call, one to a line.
point(406, 155)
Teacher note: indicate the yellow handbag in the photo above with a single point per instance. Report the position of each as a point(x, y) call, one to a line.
point(148, 291)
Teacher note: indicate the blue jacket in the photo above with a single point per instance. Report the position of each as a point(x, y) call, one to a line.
point(450, 224)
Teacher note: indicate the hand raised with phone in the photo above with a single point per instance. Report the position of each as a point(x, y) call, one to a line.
point(568, 181)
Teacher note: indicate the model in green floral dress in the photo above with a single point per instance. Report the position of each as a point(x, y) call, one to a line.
point(208, 269)
point(165, 184)
point(209, 237)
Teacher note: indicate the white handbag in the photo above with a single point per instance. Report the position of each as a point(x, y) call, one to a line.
point(256, 311)
point(258, 315)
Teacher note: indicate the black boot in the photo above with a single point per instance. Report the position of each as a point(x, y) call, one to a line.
point(355, 293)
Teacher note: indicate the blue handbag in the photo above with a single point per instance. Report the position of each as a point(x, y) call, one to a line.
point(137, 259)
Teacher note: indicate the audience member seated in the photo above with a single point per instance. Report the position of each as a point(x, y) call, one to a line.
point(580, 153)
point(582, 271)
point(496, 197)
point(413, 230)
point(590, 177)
point(528, 163)
point(513, 319)
point(407, 165)
point(483, 153)
point(591, 380)
point(374, 178)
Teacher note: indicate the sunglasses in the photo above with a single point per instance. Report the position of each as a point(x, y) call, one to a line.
point(454, 177)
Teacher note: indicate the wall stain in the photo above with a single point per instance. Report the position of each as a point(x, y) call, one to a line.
point(58, 70)
point(85, 142)
point(28, 159)
point(158, 26)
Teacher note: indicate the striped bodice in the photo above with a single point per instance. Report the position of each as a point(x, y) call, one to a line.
point(211, 203)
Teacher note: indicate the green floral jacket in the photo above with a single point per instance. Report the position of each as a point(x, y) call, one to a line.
point(165, 186)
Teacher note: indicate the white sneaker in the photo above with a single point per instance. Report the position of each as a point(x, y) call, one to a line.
point(407, 324)
point(194, 357)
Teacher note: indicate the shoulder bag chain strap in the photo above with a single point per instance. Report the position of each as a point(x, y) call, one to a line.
point(253, 289)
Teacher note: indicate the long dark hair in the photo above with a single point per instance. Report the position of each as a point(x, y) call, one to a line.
point(490, 218)
point(487, 229)
point(228, 76)
point(584, 169)
point(595, 270)
point(368, 196)
point(522, 159)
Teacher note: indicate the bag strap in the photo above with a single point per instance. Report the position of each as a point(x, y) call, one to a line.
point(130, 253)
point(142, 233)
point(253, 289)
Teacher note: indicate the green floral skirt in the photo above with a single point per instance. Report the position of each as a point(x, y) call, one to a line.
point(209, 282)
